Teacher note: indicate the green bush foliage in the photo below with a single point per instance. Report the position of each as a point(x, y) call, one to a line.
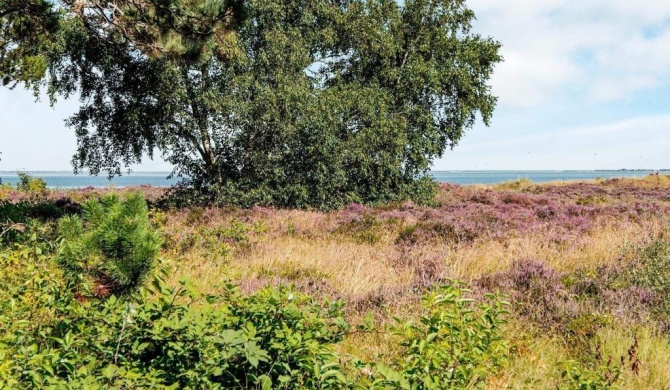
point(579, 376)
point(651, 270)
point(20, 220)
point(367, 230)
point(636, 287)
point(220, 242)
point(158, 337)
point(27, 183)
point(456, 344)
point(114, 243)
point(162, 338)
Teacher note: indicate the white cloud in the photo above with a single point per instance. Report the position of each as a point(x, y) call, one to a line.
point(611, 88)
point(600, 48)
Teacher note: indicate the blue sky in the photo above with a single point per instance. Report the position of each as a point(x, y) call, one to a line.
point(585, 85)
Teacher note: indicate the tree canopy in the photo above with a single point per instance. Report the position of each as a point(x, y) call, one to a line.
point(24, 27)
point(307, 103)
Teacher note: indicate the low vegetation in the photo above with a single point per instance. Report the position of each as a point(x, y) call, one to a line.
point(555, 286)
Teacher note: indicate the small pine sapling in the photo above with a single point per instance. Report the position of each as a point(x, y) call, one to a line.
point(111, 246)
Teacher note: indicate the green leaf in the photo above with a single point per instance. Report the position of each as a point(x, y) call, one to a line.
point(265, 382)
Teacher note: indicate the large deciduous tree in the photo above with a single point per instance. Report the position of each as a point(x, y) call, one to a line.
point(308, 103)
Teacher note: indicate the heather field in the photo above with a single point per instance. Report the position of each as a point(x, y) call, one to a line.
point(581, 268)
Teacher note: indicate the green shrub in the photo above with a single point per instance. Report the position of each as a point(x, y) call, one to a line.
point(591, 200)
point(581, 331)
point(424, 232)
point(220, 241)
point(31, 184)
point(293, 272)
point(580, 376)
point(421, 190)
point(455, 345)
point(236, 232)
point(516, 185)
point(114, 244)
point(20, 221)
point(195, 215)
point(160, 338)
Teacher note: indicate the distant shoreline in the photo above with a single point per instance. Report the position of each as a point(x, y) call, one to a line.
point(68, 180)
point(167, 173)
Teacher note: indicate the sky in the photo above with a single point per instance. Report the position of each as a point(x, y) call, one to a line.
point(585, 85)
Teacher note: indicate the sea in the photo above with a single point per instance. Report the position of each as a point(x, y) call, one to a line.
point(160, 179)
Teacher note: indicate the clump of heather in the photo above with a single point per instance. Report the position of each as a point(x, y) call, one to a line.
point(353, 212)
point(565, 214)
point(633, 291)
point(423, 233)
point(80, 195)
point(465, 223)
point(536, 291)
point(430, 271)
point(632, 304)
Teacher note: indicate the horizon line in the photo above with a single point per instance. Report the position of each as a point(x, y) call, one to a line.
point(430, 171)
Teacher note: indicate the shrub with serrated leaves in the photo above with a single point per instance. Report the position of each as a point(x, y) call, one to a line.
point(160, 338)
point(457, 344)
point(114, 244)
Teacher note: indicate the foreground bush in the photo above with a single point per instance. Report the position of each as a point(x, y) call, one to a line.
point(455, 345)
point(160, 337)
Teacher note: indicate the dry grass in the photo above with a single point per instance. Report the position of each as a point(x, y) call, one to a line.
point(653, 352)
point(358, 255)
point(601, 247)
point(353, 268)
point(314, 239)
point(350, 268)
point(648, 182)
point(295, 246)
point(537, 363)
